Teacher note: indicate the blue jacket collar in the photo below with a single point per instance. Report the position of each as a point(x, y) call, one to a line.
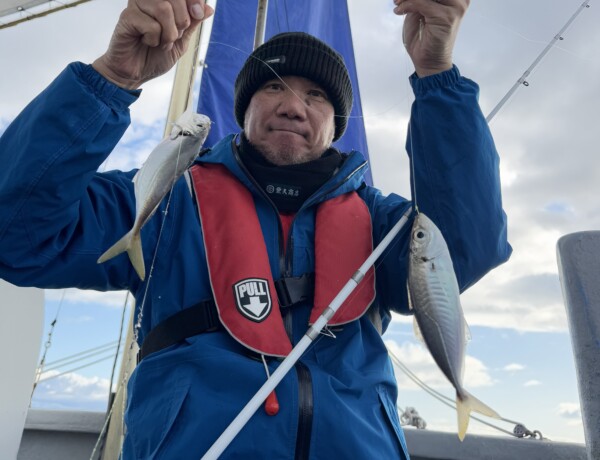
point(348, 178)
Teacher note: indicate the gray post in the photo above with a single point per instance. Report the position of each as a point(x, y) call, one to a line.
point(579, 271)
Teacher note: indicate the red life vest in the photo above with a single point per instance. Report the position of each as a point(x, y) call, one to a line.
point(240, 274)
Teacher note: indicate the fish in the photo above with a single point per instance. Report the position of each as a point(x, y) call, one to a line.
point(163, 167)
point(434, 298)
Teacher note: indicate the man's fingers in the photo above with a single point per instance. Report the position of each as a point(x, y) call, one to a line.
point(181, 15)
point(208, 11)
point(137, 25)
point(197, 9)
point(174, 18)
point(431, 7)
point(422, 7)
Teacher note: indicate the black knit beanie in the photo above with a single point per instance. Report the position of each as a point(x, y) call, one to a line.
point(299, 54)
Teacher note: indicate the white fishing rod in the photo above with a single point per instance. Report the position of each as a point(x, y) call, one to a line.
point(242, 418)
point(522, 80)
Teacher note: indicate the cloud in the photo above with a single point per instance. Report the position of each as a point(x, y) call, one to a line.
point(532, 383)
point(110, 299)
point(418, 359)
point(524, 302)
point(71, 391)
point(569, 410)
point(514, 367)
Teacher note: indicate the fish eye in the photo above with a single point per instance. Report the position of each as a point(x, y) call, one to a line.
point(420, 234)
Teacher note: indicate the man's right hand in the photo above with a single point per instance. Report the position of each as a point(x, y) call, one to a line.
point(149, 38)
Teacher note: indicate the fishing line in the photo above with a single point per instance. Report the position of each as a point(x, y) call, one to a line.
point(528, 39)
point(138, 322)
point(522, 80)
point(280, 78)
point(451, 402)
point(441, 397)
point(165, 212)
point(140, 313)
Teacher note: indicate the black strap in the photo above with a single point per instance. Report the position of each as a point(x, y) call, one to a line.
point(203, 317)
point(195, 320)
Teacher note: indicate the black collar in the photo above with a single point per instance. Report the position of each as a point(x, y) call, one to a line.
point(289, 186)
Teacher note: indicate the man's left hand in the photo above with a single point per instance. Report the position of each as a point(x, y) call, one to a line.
point(430, 30)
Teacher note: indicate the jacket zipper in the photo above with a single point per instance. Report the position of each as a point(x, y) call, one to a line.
point(305, 397)
point(305, 412)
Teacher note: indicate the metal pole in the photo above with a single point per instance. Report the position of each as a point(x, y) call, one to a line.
point(242, 418)
point(579, 270)
point(522, 81)
point(42, 13)
point(181, 95)
point(261, 22)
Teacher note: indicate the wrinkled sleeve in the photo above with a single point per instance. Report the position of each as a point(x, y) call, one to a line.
point(456, 183)
point(56, 213)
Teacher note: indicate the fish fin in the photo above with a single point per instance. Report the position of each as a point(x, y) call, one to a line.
point(410, 304)
point(136, 255)
point(464, 406)
point(120, 246)
point(468, 336)
point(417, 331)
point(133, 245)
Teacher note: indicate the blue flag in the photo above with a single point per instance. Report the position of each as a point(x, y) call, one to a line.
point(232, 40)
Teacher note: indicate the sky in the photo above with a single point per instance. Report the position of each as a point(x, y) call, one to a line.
point(519, 359)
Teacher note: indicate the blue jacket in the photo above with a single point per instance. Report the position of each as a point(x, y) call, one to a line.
point(57, 215)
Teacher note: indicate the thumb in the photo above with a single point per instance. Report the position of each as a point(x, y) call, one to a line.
point(200, 17)
point(199, 10)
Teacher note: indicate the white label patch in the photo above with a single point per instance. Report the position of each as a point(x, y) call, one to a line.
point(253, 299)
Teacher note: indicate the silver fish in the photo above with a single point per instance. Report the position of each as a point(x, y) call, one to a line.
point(434, 298)
point(163, 167)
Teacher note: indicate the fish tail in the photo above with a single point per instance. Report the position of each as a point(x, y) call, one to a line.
point(136, 255)
point(466, 403)
point(132, 243)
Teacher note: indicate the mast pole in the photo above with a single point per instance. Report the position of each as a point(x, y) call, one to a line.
point(261, 22)
point(522, 81)
point(181, 95)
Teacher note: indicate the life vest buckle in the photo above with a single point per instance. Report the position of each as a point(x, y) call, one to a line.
point(293, 290)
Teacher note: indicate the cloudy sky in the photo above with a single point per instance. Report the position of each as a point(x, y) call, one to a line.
point(519, 359)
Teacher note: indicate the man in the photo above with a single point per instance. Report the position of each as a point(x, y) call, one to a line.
point(240, 273)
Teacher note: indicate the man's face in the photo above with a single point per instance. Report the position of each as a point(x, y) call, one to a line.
point(290, 121)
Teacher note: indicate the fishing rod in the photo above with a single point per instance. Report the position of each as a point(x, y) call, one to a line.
point(242, 418)
point(522, 80)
